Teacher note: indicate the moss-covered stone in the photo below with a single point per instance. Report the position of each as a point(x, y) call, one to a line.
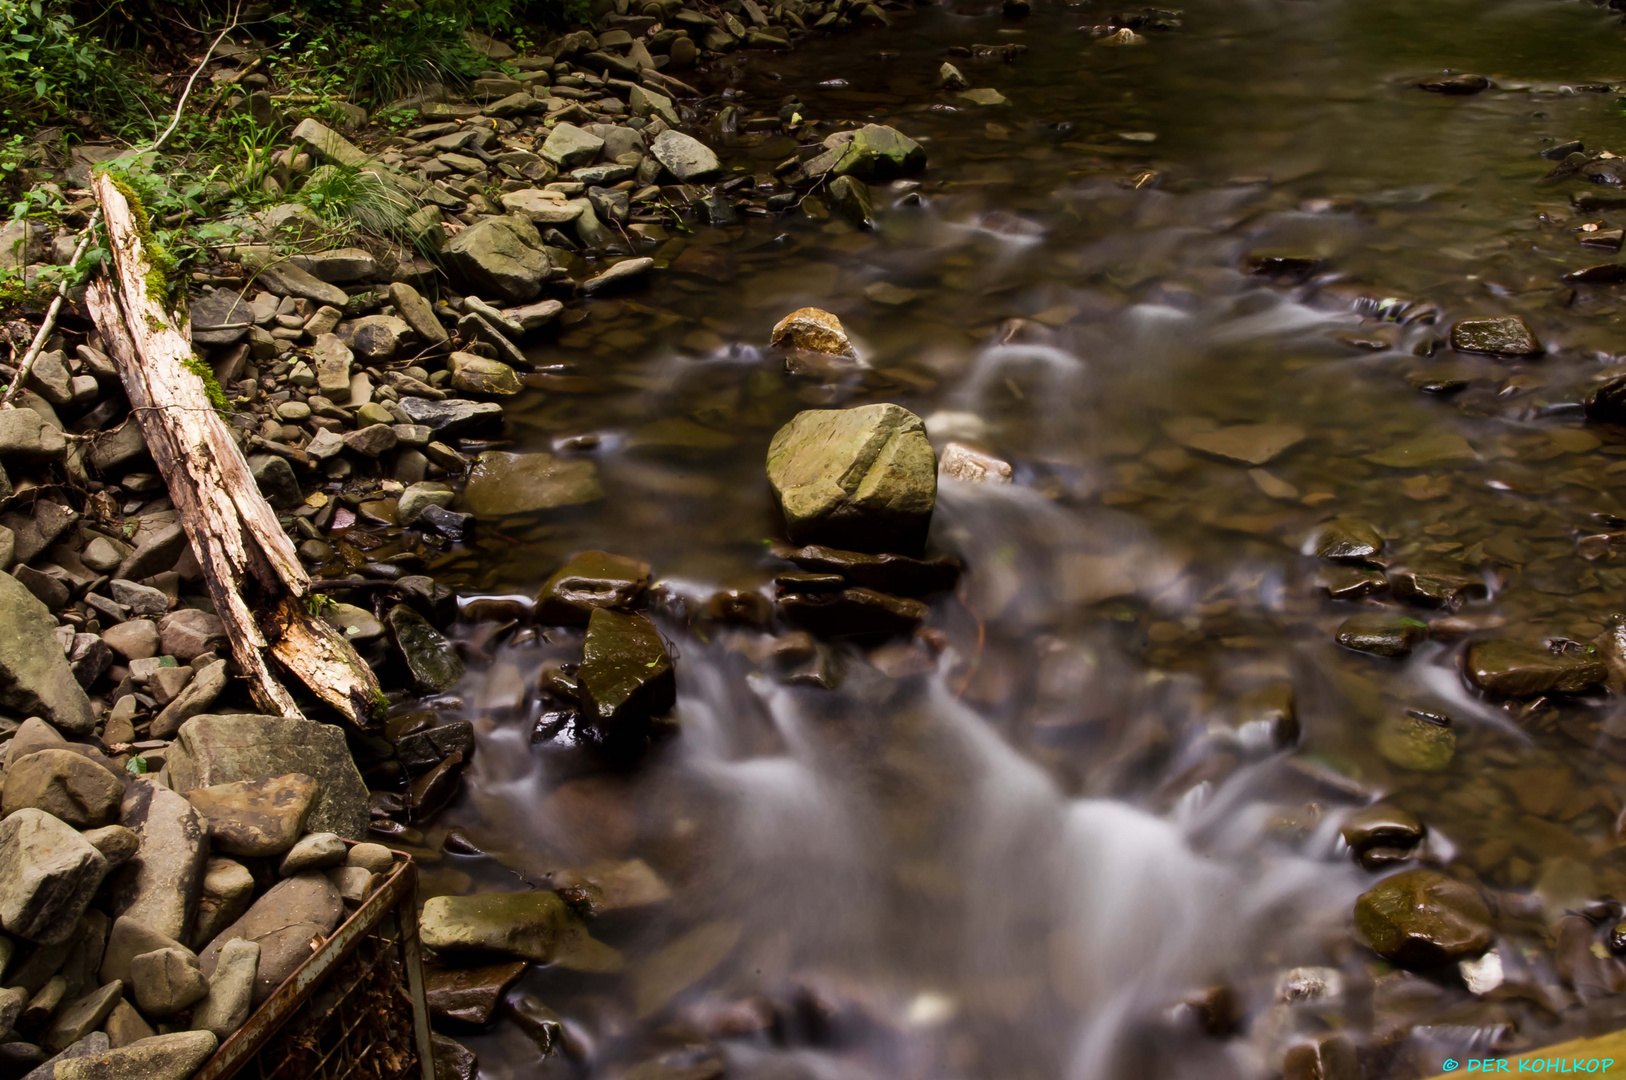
point(626, 675)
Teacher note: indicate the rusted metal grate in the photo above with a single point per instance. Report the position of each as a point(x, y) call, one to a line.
point(353, 1011)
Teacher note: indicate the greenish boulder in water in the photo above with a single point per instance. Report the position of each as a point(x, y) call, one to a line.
point(1527, 668)
point(876, 152)
point(1381, 633)
point(626, 675)
point(503, 484)
point(35, 677)
point(1506, 335)
point(1348, 540)
point(1421, 918)
point(862, 479)
point(534, 926)
point(851, 199)
point(433, 662)
point(1417, 741)
point(591, 580)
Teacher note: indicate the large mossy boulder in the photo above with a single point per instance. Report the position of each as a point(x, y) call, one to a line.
point(499, 257)
point(863, 479)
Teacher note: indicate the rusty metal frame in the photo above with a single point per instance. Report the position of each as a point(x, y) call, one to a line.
point(398, 894)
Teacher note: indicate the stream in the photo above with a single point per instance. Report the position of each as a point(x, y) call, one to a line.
point(1067, 832)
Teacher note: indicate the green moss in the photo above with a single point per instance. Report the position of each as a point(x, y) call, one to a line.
point(160, 264)
point(381, 707)
point(211, 385)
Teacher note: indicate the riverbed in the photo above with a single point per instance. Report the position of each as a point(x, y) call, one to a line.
point(1043, 838)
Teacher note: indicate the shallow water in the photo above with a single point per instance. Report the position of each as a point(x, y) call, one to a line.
point(1014, 857)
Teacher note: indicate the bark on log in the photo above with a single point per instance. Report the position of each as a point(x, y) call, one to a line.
point(259, 588)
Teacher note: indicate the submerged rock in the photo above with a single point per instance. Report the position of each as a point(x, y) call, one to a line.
point(503, 484)
point(1419, 741)
point(1251, 444)
point(1607, 404)
point(626, 675)
point(853, 613)
point(1455, 84)
point(534, 926)
point(1528, 668)
point(887, 572)
point(1421, 918)
point(591, 580)
point(1348, 540)
point(1382, 633)
point(863, 478)
point(1505, 335)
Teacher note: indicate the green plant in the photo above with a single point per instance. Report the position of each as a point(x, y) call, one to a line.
point(354, 201)
point(379, 52)
point(50, 69)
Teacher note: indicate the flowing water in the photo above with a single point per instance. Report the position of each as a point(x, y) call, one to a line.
point(1014, 849)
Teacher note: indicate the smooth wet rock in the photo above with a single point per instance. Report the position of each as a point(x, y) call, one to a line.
point(65, 784)
point(1416, 740)
point(1511, 668)
point(1436, 590)
point(1421, 918)
point(431, 659)
point(1456, 84)
point(533, 926)
point(813, 330)
point(497, 257)
point(283, 922)
point(1351, 582)
point(502, 484)
point(626, 675)
point(853, 613)
point(48, 874)
point(1607, 403)
point(256, 817)
point(35, 677)
point(454, 417)
point(590, 580)
point(685, 157)
point(863, 479)
point(175, 1056)
point(972, 466)
point(1382, 633)
point(1505, 335)
point(221, 749)
point(470, 995)
point(1348, 540)
point(1322, 1056)
point(160, 886)
point(453, 1060)
point(887, 572)
point(1381, 826)
point(230, 999)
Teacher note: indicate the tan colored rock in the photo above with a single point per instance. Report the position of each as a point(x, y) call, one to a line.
point(812, 329)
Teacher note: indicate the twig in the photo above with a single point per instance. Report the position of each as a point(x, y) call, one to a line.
point(231, 24)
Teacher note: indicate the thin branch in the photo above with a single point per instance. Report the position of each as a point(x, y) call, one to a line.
point(231, 24)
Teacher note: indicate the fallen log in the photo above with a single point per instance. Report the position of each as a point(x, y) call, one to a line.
point(260, 591)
